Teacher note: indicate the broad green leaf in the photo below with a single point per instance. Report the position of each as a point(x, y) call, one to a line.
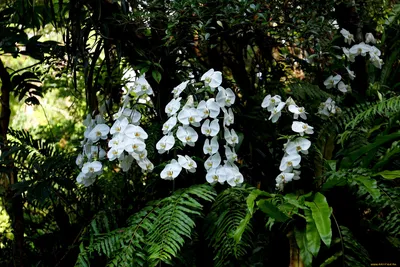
point(313, 239)
point(389, 174)
point(321, 214)
point(295, 200)
point(369, 184)
point(331, 164)
point(241, 228)
point(156, 75)
point(252, 198)
point(301, 241)
point(271, 210)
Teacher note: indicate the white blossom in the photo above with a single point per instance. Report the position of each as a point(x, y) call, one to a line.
point(171, 170)
point(213, 161)
point(211, 147)
point(369, 38)
point(301, 128)
point(189, 116)
point(332, 81)
point(100, 131)
point(225, 97)
point(231, 137)
point(179, 89)
point(215, 175)
point(169, 125)
point(212, 78)
point(187, 163)
point(187, 135)
point(342, 87)
point(351, 73)
point(348, 37)
point(208, 109)
point(298, 145)
point(173, 106)
point(298, 111)
point(210, 128)
point(165, 143)
point(289, 162)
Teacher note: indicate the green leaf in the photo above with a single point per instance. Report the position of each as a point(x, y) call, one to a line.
point(156, 75)
point(241, 228)
point(271, 210)
point(331, 164)
point(390, 175)
point(369, 184)
point(321, 213)
point(253, 196)
point(313, 238)
point(301, 240)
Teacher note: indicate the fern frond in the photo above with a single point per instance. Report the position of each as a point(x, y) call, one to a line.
point(175, 222)
point(155, 233)
point(227, 212)
point(383, 108)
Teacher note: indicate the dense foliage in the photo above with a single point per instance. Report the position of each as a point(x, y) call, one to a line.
point(293, 81)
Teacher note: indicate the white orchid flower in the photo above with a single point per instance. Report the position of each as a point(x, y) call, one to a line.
point(179, 89)
point(115, 152)
point(276, 112)
point(165, 144)
point(212, 78)
point(145, 164)
point(173, 106)
point(348, 37)
point(369, 38)
point(349, 56)
point(289, 162)
point(230, 154)
point(225, 97)
point(298, 145)
point(134, 145)
point(301, 128)
point(133, 131)
point(229, 117)
point(360, 49)
point(97, 152)
point(100, 131)
point(215, 175)
point(190, 116)
point(92, 168)
point(125, 162)
point(86, 179)
point(235, 177)
point(169, 125)
point(342, 87)
point(171, 170)
point(210, 128)
point(187, 135)
point(270, 102)
point(211, 147)
point(213, 161)
point(142, 87)
point(351, 73)
point(187, 163)
point(133, 115)
point(79, 160)
point(231, 137)
point(332, 81)
point(298, 111)
point(119, 126)
point(283, 178)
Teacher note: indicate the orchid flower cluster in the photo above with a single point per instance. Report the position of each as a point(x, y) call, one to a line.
point(124, 140)
point(329, 108)
point(181, 124)
point(290, 163)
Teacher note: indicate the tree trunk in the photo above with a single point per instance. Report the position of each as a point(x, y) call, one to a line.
point(14, 205)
